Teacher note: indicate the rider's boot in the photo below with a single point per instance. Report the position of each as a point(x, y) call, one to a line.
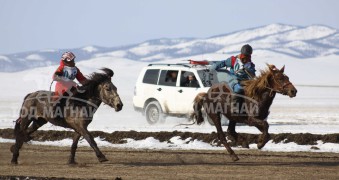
point(237, 99)
point(237, 104)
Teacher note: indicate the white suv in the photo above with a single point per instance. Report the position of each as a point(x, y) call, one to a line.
point(165, 90)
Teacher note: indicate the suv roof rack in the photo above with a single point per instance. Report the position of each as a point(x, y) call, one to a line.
point(191, 63)
point(185, 65)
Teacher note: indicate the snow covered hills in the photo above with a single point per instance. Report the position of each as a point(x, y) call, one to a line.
point(271, 41)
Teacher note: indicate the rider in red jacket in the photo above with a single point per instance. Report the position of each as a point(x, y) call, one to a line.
point(66, 73)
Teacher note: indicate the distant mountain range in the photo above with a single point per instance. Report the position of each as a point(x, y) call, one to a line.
point(271, 40)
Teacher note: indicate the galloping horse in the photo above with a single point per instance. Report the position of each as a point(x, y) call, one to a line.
point(259, 93)
point(74, 111)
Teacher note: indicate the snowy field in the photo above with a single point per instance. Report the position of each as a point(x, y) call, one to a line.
point(314, 110)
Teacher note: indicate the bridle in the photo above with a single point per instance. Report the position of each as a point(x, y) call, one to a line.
point(115, 96)
point(280, 89)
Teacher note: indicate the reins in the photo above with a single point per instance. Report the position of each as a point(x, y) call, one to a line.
point(50, 86)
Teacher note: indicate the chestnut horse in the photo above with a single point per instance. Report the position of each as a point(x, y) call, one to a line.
point(259, 94)
point(74, 111)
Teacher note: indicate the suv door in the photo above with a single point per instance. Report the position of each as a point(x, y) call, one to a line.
point(187, 91)
point(167, 90)
point(146, 89)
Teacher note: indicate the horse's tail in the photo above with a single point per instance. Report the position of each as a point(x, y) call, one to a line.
point(197, 105)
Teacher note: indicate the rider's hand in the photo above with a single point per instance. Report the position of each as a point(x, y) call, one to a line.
point(57, 78)
point(212, 67)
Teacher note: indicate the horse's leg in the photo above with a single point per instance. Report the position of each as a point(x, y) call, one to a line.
point(89, 138)
point(74, 148)
point(20, 135)
point(222, 137)
point(16, 148)
point(231, 131)
point(263, 127)
point(37, 123)
point(231, 128)
point(238, 138)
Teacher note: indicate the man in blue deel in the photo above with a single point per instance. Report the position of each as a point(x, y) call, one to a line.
point(241, 68)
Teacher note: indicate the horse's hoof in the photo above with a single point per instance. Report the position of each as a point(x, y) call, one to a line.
point(14, 162)
point(245, 145)
point(72, 163)
point(103, 159)
point(263, 140)
point(260, 145)
point(234, 157)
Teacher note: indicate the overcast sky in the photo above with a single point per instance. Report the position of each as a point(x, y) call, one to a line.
point(54, 24)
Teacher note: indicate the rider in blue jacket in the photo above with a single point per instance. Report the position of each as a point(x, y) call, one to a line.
point(241, 68)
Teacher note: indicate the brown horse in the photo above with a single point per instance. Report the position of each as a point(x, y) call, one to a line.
point(73, 111)
point(259, 93)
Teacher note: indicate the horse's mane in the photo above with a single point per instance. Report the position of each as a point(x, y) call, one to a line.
point(93, 80)
point(256, 86)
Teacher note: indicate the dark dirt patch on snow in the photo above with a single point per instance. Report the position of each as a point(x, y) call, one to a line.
point(118, 137)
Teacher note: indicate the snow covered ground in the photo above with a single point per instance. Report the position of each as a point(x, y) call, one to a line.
point(176, 143)
point(314, 110)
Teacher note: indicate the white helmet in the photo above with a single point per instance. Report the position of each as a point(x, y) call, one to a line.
point(68, 56)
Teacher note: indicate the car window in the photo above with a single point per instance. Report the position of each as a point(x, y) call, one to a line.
point(208, 78)
point(168, 77)
point(188, 79)
point(223, 75)
point(151, 76)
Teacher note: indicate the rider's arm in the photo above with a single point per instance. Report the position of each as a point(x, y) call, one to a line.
point(247, 72)
point(250, 67)
point(223, 63)
point(80, 77)
point(57, 76)
point(59, 72)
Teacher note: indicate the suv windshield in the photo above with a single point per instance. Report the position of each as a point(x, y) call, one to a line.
point(212, 77)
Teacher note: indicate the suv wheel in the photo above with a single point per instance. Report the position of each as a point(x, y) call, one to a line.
point(154, 113)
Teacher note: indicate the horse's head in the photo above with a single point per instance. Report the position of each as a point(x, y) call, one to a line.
point(108, 92)
point(280, 82)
